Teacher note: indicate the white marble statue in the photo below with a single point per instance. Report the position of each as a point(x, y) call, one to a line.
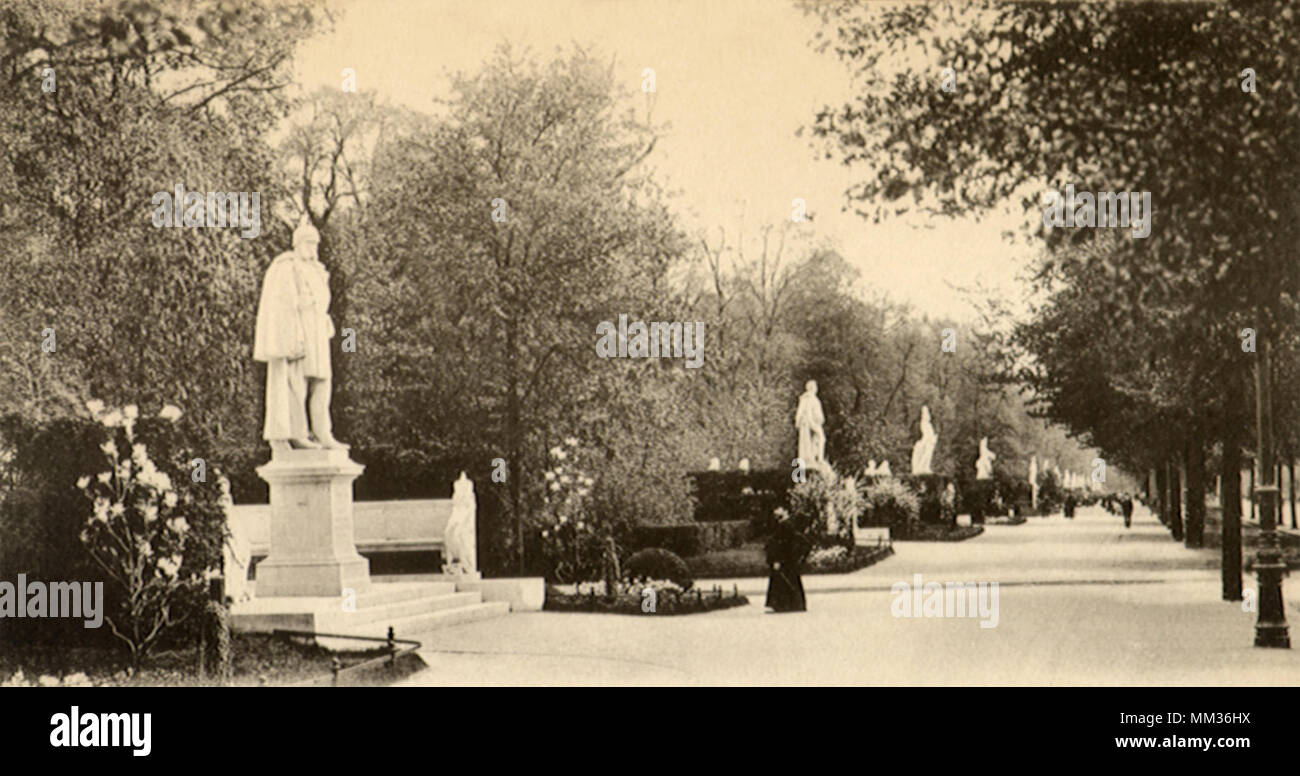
point(1033, 482)
point(743, 465)
point(984, 466)
point(923, 450)
point(292, 336)
point(715, 465)
point(459, 543)
point(883, 470)
point(871, 469)
point(808, 419)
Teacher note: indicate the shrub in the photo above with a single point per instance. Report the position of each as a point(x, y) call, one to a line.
point(891, 503)
point(814, 502)
point(737, 495)
point(692, 539)
point(658, 563)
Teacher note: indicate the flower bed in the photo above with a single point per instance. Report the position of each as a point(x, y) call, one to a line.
point(665, 599)
point(751, 561)
point(922, 532)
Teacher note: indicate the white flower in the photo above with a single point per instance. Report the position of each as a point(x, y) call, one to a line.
point(170, 412)
point(150, 513)
point(563, 519)
point(131, 411)
point(560, 454)
point(178, 525)
point(566, 479)
point(112, 419)
point(117, 510)
point(105, 477)
point(95, 406)
point(580, 526)
point(168, 566)
point(109, 448)
point(550, 476)
point(582, 492)
point(588, 481)
point(139, 454)
point(101, 510)
point(82, 482)
point(571, 441)
point(555, 486)
point(169, 498)
point(546, 534)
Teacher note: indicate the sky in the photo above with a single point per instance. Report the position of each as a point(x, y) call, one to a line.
point(734, 79)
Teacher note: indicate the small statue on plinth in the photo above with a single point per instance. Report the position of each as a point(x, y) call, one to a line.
point(293, 339)
point(984, 465)
point(923, 450)
point(808, 419)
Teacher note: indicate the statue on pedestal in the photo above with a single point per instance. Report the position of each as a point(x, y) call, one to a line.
point(1033, 482)
point(808, 419)
point(923, 450)
point(883, 470)
point(459, 543)
point(984, 466)
point(293, 338)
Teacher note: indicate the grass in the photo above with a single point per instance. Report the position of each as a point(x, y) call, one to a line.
point(258, 660)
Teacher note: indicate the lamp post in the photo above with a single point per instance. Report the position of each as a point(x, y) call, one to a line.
point(1270, 627)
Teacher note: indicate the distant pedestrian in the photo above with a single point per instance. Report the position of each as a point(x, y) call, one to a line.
point(786, 550)
point(1126, 506)
point(1069, 505)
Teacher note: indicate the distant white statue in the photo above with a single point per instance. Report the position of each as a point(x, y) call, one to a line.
point(923, 450)
point(1033, 482)
point(883, 470)
point(715, 465)
point(871, 470)
point(743, 465)
point(808, 419)
point(984, 466)
point(459, 543)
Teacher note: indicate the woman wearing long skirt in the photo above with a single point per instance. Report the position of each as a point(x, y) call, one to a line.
point(786, 550)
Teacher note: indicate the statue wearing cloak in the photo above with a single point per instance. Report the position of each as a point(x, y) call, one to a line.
point(293, 339)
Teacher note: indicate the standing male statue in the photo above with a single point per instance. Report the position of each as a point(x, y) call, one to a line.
point(808, 419)
point(293, 338)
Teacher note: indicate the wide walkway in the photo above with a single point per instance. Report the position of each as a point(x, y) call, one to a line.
point(1079, 602)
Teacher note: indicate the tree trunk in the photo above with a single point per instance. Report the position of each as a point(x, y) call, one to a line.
point(1162, 493)
point(1231, 503)
point(1195, 491)
point(1252, 489)
point(1175, 499)
point(514, 438)
point(1290, 471)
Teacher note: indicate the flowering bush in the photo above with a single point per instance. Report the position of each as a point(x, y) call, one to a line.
point(155, 527)
point(890, 502)
point(824, 506)
point(574, 549)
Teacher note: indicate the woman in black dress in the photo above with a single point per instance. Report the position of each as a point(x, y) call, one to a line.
point(786, 550)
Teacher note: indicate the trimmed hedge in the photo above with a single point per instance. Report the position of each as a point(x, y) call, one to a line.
point(658, 563)
point(736, 495)
point(690, 539)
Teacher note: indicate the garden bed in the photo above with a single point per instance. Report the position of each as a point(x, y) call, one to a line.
point(666, 602)
point(922, 532)
point(1006, 520)
point(258, 660)
point(750, 560)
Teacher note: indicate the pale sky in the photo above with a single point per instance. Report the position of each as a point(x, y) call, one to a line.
point(735, 79)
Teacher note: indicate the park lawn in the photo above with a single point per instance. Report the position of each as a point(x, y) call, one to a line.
point(258, 660)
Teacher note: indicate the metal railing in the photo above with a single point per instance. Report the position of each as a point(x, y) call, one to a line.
point(336, 666)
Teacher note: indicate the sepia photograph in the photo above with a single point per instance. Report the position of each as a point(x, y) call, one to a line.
point(948, 344)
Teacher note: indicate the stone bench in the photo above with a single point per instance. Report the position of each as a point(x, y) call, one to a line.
point(417, 525)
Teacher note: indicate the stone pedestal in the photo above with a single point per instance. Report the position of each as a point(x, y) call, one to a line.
point(313, 552)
